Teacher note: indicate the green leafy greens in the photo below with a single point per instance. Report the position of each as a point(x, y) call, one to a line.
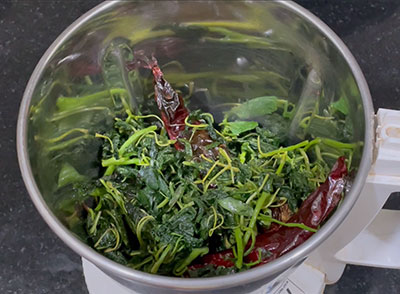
point(157, 209)
point(130, 194)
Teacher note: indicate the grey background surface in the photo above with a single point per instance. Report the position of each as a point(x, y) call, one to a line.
point(32, 258)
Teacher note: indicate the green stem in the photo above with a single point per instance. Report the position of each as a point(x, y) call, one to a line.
point(133, 139)
point(338, 145)
point(306, 160)
point(271, 199)
point(64, 114)
point(230, 36)
point(257, 209)
point(97, 135)
point(66, 134)
point(215, 177)
point(281, 164)
point(181, 267)
point(70, 103)
point(109, 171)
point(350, 160)
point(136, 117)
point(223, 24)
point(117, 241)
point(251, 264)
point(258, 190)
point(318, 153)
point(158, 263)
point(286, 149)
point(122, 161)
point(118, 91)
point(67, 143)
point(139, 265)
point(253, 242)
point(266, 218)
point(139, 228)
point(312, 143)
point(239, 247)
point(331, 155)
point(117, 195)
point(284, 104)
point(93, 229)
point(163, 203)
point(194, 126)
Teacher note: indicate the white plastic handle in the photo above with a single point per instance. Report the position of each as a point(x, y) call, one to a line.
point(369, 236)
point(378, 245)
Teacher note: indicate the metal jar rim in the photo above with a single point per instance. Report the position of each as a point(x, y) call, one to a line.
point(245, 277)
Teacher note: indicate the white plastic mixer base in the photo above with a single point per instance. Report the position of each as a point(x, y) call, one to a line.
point(368, 236)
point(297, 283)
point(305, 279)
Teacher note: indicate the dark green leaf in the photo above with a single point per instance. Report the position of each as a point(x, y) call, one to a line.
point(211, 271)
point(277, 125)
point(323, 128)
point(238, 127)
point(341, 105)
point(150, 177)
point(116, 256)
point(255, 107)
point(69, 175)
point(236, 206)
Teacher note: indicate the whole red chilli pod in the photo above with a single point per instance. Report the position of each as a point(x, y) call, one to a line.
point(172, 108)
point(273, 244)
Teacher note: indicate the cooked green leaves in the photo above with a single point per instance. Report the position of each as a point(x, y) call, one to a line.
point(236, 206)
point(236, 128)
point(341, 105)
point(125, 189)
point(157, 209)
point(69, 175)
point(255, 107)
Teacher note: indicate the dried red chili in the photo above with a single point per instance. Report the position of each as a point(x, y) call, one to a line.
point(172, 109)
point(273, 244)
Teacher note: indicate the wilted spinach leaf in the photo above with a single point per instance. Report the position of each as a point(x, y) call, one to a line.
point(255, 107)
point(238, 127)
point(236, 206)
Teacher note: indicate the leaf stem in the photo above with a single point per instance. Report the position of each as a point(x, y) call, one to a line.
point(281, 164)
point(182, 266)
point(108, 139)
point(273, 152)
point(65, 144)
point(291, 225)
point(215, 177)
point(257, 209)
point(239, 247)
point(158, 263)
point(140, 226)
point(66, 134)
point(338, 145)
point(132, 139)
